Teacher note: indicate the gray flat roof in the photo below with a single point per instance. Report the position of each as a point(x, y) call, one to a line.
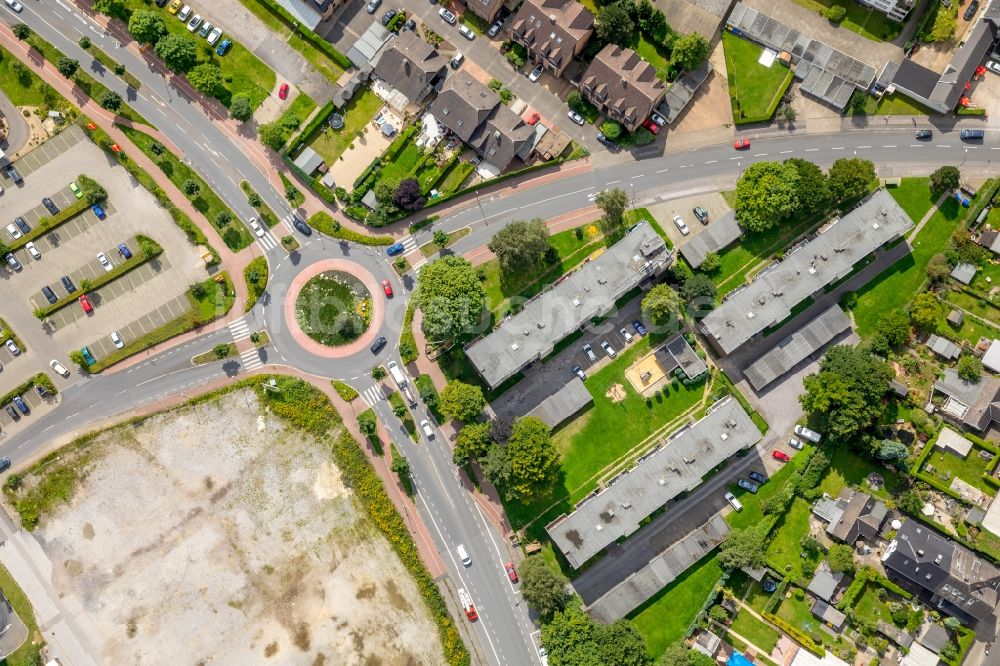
point(717, 235)
point(797, 346)
point(682, 91)
point(964, 273)
point(366, 49)
point(943, 347)
point(660, 572)
point(563, 404)
point(685, 357)
point(308, 160)
point(831, 255)
point(674, 466)
point(587, 293)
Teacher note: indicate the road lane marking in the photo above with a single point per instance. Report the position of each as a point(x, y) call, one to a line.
point(641, 175)
point(612, 182)
point(811, 150)
point(711, 161)
point(892, 145)
point(663, 170)
point(785, 152)
point(863, 147)
point(838, 148)
point(760, 154)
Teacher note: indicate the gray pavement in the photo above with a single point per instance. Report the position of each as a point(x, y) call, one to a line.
point(18, 131)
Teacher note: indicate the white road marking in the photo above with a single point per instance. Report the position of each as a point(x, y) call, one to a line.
point(760, 154)
point(811, 150)
point(663, 170)
point(711, 161)
point(863, 147)
point(890, 146)
point(785, 152)
point(838, 148)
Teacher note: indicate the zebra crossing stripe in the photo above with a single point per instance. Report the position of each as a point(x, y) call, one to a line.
point(409, 244)
point(250, 359)
point(267, 241)
point(239, 330)
point(372, 395)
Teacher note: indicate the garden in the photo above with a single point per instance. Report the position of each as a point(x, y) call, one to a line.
point(333, 308)
point(754, 90)
point(946, 465)
point(329, 143)
point(870, 23)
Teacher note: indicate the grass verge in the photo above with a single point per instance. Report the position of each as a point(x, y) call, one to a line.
point(264, 211)
point(255, 273)
point(345, 391)
point(29, 654)
point(432, 248)
point(41, 379)
point(403, 414)
point(112, 64)
point(325, 224)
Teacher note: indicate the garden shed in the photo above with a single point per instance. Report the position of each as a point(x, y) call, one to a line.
point(951, 441)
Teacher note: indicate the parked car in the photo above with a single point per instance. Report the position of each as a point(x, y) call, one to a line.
point(224, 47)
point(658, 119)
point(605, 140)
point(206, 28)
point(86, 304)
point(174, 6)
point(923, 134)
point(40, 390)
point(4, 464)
point(13, 173)
point(780, 455)
point(213, 36)
point(651, 126)
point(589, 351)
point(536, 74)
point(11, 412)
point(425, 425)
point(681, 225)
point(811, 435)
point(124, 251)
point(194, 23)
point(88, 358)
point(116, 340)
point(388, 16)
point(735, 503)
point(14, 232)
point(105, 262)
point(32, 250)
point(758, 477)
point(395, 249)
point(457, 60)
point(58, 368)
point(75, 189)
point(795, 443)
point(378, 344)
point(98, 211)
point(467, 32)
point(534, 118)
point(971, 135)
point(508, 567)
point(283, 91)
point(993, 66)
point(12, 261)
point(495, 28)
point(22, 225)
point(67, 284)
point(748, 485)
point(410, 25)
point(14, 5)
point(741, 144)
point(21, 405)
point(625, 334)
point(608, 349)
point(372, 6)
point(12, 347)
point(575, 117)
point(971, 10)
point(447, 16)
point(387, 288)
point(184, 13)
point(50, 206)
point(639, 328)
point(578, 371)
point(49, 295)
point(255, 225)
point(701, 214)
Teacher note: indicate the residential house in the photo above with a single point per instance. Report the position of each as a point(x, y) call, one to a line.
point(622, 85)
point(553, 31)
point(825, 584)
point(974, 405)
point(486, 9)
point(829, 615)
point(943, 574)
point(897, 10)
point(991, 359)
point(852, 516)
point(411, 66)
point(310, 12)
point(476, 115)
point(990, 239)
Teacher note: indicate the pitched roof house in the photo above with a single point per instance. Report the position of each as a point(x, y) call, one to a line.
point(553, 31)
point(475, 114)
point(973, 404)
point(487, 9)
point(411, 66)
point(855, 515)
point(622, 85)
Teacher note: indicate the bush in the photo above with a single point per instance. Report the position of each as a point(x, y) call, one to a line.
point(611, 129)
point(835, 13)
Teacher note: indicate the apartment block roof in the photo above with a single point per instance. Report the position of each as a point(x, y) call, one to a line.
point(553, 28)
point(628, 82)
point(717, 235)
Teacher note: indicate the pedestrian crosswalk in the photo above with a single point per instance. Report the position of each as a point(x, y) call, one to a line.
point(372, 395)
point(409, 244)
point(250, 359)
point(416, 266)
point(267, 241)
point(239, 329)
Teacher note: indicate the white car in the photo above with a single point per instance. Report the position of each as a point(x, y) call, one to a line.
point(447, 16)
point(194, 23)
point(116, 340)
point(575, 117)
point(536, 74)
point(795, 443)
point(184, 13)
point(495, 29)
point(13, 348)
point(255, 225)
point(993, 66)
point(543, 656)
point(105, 262)
point(14, 4)
point(625, 334)
point(32, 250)
point(731, 498)
point(681, 225)
point(608, 349)
point(58, 368)
point(14, 232)
point(811, 435)
point(425, 425)
point(658, 119)
point(467, 32)
point(213, 36)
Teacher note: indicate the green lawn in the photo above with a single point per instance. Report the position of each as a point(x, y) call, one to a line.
point(798, 613)
point(850, 469)
point(869, 607)
point(866, 22)
point(300, 107)
point(895, 286)
point(751, 513)
point(757, 632)
point(947, 465)
point(757, 597)
point(971, 329)
point(403, 163)
point(977, 306)
point(754, 90)
point(785, 549)
point(331, 144)
point(665, 618)
point(890, 105)
point(20, 84)
point(653, 53)
point(914, 196)
point(28, 653)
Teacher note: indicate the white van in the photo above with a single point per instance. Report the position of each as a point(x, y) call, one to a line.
point(463, 555)
point(397, 374)
point(731, 498)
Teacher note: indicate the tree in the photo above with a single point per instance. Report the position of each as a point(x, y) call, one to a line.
point(440, 238)
point(451, 296)
point(612, 203)
point(206, 78)
point(970, 368)
point(241, 108)
point(461, 401)
point(178, 52)
point(845, 396)
point(367, 426)
point(533, 458)
point(501, 428)
point(496, 466)
point(21, 31)
point(576, 102)
point(689, 51)
point(272, 135)
point(291, 192)
point(850, 178)
point(925, 311)
point(110, 100)
point(543, 587)
point(572, 638)
point(378, 373)
point(191, 187)
point(221, 350)
point(952, 624)
point(679, 654)
point(890, 449)
point(711, 263)
point(766, 194)
point(938, 268)
point(407, 195)
point(813, 190)
point(835, 13)
point(84, 42)
point(945, 24)
point(472, 443)
point(611, 130)
point(698, 287)
point(718, 614)
point(385, 190)
point(895, 327)
point(945, 178)
point(841, 558)
point(614, 23)
point(113, 8)
point(859, 100)
point(521, 244)
point(661, 307)
point(743, 549)
point(254, 200)
point(222, 219)
point(401, 466)
point(67, 66)
point(146, 26)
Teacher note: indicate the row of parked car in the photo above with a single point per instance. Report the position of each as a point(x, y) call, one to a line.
point(195, 23)
point(588, 349)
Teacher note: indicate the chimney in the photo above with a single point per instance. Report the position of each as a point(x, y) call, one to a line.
point(552, 17)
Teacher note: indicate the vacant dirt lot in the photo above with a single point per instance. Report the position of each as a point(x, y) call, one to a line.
point(200, 538)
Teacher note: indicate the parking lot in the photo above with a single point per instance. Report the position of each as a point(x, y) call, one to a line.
point(132, 303)
point(684, 206)
point(37, 404)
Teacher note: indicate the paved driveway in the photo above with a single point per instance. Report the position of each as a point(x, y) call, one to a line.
point(17, 127)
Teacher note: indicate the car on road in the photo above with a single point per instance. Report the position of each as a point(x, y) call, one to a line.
point(394, 249)
point(731, 498)
point(575, 117)
point(608, 349)
point(447, 16)
point(463, 554)
point(605, 140)
point(748, 485)
point(971, 135)
point(811, 435)
point(625, 334)
point(14, 232)
point(701, 214)
point(22, 225)
point(387, 288)
point(21, 405)
point(50, 206)
point(75, 189)
point(124, 251)
point(780, 455)
point(923, 134)
point(12, 261)
point(88, 358)
point(536, 74)
point(224, 47)
point(681, 225)
point(213, 36)
point(12, 347)
point(651, 126)
point(971, 10)
point(758, 477)
point(116, 339)
point(184, 13)
point(13, 173)
point(578, 371)
point(741, 144)
point(283, 91)
point(993, 66)
point(32, 250)
point(372, 6)
point(86, 304)
point(508, 567)
point(206, 28)
point(194, 23)
point(14, 4)
point(388, 16)
point(425, 425)
point(639, 328)
point(58, 368)
point(98, 211)
point(495, 28)
point(456, 62)
point(589, 351)
point(534, 118)
point(795, 443)
point(11, 412)
point(174, 6)
point(105, 262)
point(255, 225)
point(658, 119)
point(378, 344)
point(4, 464)
point(67, 284)
point(301, 225)
point(543, 656)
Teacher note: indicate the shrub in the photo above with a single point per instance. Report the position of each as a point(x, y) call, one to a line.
point(835, 13)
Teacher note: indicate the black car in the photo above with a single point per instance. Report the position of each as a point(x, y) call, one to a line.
point(12, 413)
point(388, 16)
point(50, 206)
point(378, 344)
point(42, 393)
point(701, 214)
point(13, 174)
point(971, 11)
point(605, 140)
point(67, 284)
point(49, 295)
point(410, 25)
point(923, 134)
point(22, 405)
point(4, 464)
point(22, 225)
point(301, 225)
point(758, 477)
point(160, 3)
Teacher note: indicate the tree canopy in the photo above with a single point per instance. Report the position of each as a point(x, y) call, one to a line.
point(849, 178)
point(451, 297)
point(461, 401)
point(146, 26)
point(679, 654)
point(969, 368)
point(613, 202)
point(767, 193)
point(945, 178)
point(543, 587)
point(533, 458)
point(521, 244)
point(845, 396)
point(472, 443)
point(689, 51)
point(241, 108)
point(178, 52)
point(574, 639)
point(408, 196)
point(813, 188)
point(841, 558)
point(614, 23)
point(925, 310)
point(67, 66)
point(661, 307)
point(743, 549)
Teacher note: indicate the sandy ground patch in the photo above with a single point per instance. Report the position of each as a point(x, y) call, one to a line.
point(234, 540)
point(361, 153)
point(616, 393)
point(646, 374)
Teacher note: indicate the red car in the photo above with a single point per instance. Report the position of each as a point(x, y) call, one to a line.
point(511, 572)
point(741, 144)
point(650, 125)
point(780, 455)
point(387, 288)
point(534, 118)
point(283, 91)
point(85, 304)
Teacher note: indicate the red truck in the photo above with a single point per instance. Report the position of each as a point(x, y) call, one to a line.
point(467, 606)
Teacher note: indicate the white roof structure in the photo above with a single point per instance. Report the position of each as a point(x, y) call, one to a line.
point(949, 440)
point(991, 359)
point(919, 656)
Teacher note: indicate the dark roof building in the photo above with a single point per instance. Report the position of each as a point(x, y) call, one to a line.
point(622, 85)
point(487, 9)
point(553, 31)
point(861, 517)
point(563, 404)
point(718, 235)
point(825, 584)
point(942, 573)
point(990, 239)
point(476, 115)
point(411, 65)
point(829, 614)
point(972, 404)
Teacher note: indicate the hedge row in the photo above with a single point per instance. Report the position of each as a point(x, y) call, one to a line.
point(799, 637)
point(407, 343)
point(323, 223)
point(345, 391)
point(855, 589)
point(318, 187)
point(778, 596)
point(41, 379)
point(320, 118)
point(882, 581)
point(928, 447)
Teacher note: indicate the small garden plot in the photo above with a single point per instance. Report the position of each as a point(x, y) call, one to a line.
point(870, 607)
point(914, 196)
point(757, 632)
point(945, 465)
point(797, 610)
point(785, 549)
point(977, 306)
point(850, 469)
point(334, 308)
point(751, 513)
point(330, 144)
point(754, 90)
